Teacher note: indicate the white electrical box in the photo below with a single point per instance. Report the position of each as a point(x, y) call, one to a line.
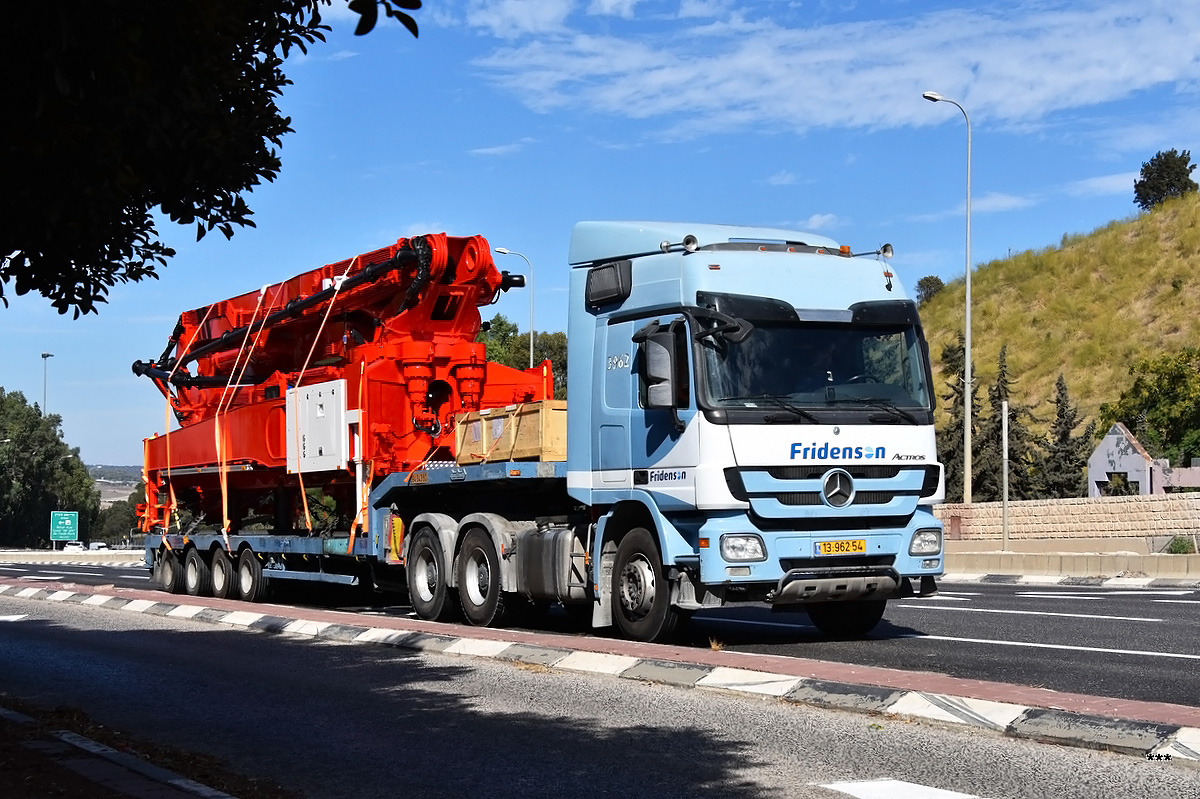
point(318, 433)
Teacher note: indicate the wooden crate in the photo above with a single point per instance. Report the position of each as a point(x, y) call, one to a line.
point(532, 431)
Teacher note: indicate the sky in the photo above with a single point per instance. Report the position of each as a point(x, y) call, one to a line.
point(515, 119)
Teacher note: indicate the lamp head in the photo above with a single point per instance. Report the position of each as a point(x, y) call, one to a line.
point(932, 97)
point(502, 250)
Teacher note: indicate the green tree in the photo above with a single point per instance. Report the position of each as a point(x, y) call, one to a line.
point(950, 437)
point(500, 336)
point(1167, 174)
point(39, 473)
point(1162, 406)
point(988, 484)
point(1062, 465)
point(505, 345)
point(928, 287)
point(117, 107)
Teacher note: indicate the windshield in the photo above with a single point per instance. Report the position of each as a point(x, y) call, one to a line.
point(816, 365)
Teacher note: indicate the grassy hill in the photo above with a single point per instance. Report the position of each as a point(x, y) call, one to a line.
point(1088, 308)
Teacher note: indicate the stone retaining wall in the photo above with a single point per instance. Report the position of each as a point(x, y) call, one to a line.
point(1153, 516)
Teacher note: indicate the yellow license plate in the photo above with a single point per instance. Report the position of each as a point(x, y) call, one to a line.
point(855, 546)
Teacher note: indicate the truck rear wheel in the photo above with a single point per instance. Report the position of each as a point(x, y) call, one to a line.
point(251, 583)
point(641, 596)
point(222, 575)
point(197, 576)
point(170, 572)
point(479, 580)
point(847, 619)
point(425, 570)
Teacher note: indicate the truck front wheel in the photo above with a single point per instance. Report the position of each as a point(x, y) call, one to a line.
point(847, 619)
point(479, 580)
point(425, 570)
point(641, 596)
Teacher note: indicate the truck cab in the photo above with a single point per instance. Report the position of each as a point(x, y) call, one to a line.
point(751, 420)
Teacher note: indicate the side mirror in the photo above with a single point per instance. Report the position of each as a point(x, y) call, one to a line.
point(658, 349)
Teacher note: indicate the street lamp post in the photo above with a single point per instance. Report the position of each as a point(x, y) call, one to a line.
point(934, 97)
point(45, 355)
point(506, 251)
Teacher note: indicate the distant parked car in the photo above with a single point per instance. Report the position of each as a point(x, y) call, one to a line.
point(97, 545)
point(73, 546)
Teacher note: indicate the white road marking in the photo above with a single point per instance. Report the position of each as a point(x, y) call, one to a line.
point(1179, 601)
point(1034, 613)
point(1056, 595)
point(944, 598)
point(1068, 647)
point(893, 789)
point(76, 574)
point(12, 569)
point(959, 593)
point(18, 617)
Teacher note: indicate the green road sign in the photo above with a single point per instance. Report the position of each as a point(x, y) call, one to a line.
point(64, 525)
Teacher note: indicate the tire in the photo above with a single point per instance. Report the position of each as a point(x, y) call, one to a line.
point(223, 575)
point(250, 584)
point(197, 575)
point(641, 597)
point(479, 587)
point(425, 570)
point(170, 572)
point(847, 619)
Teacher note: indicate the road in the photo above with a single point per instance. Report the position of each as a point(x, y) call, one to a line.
point(1129, 643)
point(334, 720)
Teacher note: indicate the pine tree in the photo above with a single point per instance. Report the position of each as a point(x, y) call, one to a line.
point(950, 437)
point(1061, 470)
point(1022, 449)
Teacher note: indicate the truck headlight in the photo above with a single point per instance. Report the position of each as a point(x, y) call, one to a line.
point(926, 542)
point(742, 548)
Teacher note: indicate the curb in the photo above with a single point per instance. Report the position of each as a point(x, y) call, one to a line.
point(1152, 740)
point(123, 760)
point(1053, 579)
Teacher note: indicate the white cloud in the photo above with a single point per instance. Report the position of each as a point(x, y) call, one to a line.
point(820, 222)
point(613, 8)
point(503, 149)
point(1102, 186)
point(781, 178)
point(1007, 66)
point(509, 19)
point(990, 203)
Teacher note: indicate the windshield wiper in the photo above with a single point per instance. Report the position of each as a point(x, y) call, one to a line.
point(791, 407)
point(891, 408)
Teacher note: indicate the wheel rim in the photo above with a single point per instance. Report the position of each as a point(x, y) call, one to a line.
point(245, 579)
point(478, 568)
point(191, 575)
point(218, 575)
point(426, 581)
point(637, 587)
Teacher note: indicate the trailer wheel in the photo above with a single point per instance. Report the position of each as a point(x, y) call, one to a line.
point(641, 597)
point(847, 619)
point(251, 584)
point(170, 572)
point(197, 576)
point(223, 577)
point(479, 580)
point(425, 569)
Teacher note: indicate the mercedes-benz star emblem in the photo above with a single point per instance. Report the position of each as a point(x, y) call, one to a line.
point(837, 489)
